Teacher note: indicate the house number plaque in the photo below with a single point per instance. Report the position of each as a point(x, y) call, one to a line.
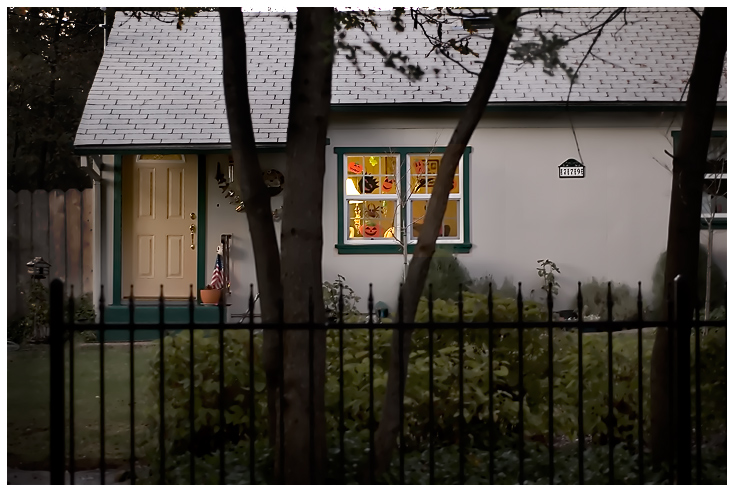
point(571, 168)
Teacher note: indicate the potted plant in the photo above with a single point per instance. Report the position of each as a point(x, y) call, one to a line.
point(210, 295)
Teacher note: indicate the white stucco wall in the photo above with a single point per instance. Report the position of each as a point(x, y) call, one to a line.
point(223, 219)
point(611, 225)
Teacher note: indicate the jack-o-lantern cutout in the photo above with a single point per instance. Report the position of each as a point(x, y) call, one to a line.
point(354, 167)
point(388, 184)
point(370, 230)
point(419, 167)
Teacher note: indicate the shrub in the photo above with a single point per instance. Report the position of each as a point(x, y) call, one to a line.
point(481, 285)
point(445, 359)
point(445, 275)
point(35, 299)
point(625, 301)
point(330, 295)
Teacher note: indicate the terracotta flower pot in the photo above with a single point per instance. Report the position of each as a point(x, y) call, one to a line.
point(210, 295)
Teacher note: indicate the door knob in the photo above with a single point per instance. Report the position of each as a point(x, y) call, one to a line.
point(192, 229)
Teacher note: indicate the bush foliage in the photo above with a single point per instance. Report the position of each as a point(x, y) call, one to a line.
point(446, 273)
point(35, 299)
point(479, 414)
point(624, 305)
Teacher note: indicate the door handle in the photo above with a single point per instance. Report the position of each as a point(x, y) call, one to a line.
point(192, 229)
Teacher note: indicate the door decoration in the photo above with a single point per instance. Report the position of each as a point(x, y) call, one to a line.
point(272, 178)
point(218, 280)
point(274, 181)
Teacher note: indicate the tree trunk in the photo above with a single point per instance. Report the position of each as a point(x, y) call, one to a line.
point(301, 245)
point(682, 255)
point(385, 437)
point(254, 193)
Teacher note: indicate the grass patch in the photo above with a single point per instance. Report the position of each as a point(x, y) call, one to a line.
point(28, 404)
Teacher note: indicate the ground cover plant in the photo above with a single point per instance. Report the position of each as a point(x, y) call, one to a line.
point(477, 411)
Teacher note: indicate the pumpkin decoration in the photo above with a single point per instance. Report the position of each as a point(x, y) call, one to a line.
point(355, 168)
point(388, 184)
point(370, 230)
point(419, 167)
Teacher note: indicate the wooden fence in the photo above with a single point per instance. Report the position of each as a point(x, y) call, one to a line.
point(57, 226)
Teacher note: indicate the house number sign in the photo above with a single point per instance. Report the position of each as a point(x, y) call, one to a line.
point(571, 168)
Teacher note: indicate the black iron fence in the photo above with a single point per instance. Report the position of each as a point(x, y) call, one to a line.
point(491, 331)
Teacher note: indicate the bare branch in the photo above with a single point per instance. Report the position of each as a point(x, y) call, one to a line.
point(696, 12)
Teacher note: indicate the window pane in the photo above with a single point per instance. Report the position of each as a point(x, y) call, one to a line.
point(450, 223)
point(371, 175)
point(371, 219)
point(423, 171)
point(714, 194)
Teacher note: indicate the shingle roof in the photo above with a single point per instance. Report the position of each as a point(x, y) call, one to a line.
point(157, 85)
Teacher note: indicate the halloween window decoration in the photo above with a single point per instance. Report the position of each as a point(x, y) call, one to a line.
point(423, 174)
point(450, 223)
point(369, 178)
point(375, 203)
point(369, 219)
point(368, 184)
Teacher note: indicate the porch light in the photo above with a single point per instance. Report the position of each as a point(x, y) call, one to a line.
point(38, 268)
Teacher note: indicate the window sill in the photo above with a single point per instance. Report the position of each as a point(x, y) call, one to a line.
point(344, 249)
point(718, 223)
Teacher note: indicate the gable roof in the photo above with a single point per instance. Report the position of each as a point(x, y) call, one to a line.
point(158, 86)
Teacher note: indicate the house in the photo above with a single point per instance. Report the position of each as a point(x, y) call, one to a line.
point(585, 184)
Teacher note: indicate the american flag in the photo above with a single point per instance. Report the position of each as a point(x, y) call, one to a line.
point(217, 275)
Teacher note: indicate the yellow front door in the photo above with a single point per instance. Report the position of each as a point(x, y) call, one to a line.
point(159, 225)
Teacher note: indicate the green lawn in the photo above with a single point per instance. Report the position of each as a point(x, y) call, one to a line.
point(28, 403)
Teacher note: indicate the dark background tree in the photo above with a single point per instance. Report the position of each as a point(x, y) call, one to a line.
point(53, 54)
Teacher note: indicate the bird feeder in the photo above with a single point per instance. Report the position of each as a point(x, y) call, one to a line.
point(38, 268)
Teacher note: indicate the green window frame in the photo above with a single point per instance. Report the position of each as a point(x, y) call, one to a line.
point(719, 221)
point(461, 244)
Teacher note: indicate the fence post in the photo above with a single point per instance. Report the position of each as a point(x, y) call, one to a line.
point(57, 457)
point(682, 409)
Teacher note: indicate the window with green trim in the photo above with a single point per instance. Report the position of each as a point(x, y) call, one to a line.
point(384, 193)
point(714, 193)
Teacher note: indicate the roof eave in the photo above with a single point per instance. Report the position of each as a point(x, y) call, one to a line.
point(616, 106)
point(127, 149)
